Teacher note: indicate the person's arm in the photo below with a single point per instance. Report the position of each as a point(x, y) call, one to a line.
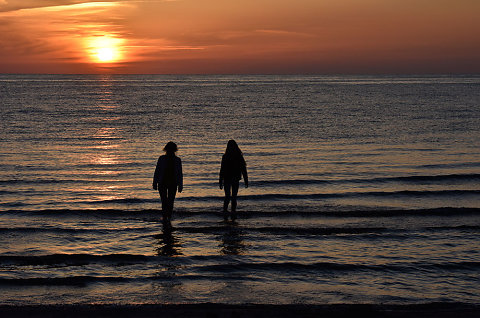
point(180, 179)
point(155, 175)
point(244, 173)
point(245, 176)
point(220, 179)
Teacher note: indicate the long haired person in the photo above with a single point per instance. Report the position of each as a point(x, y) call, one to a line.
point(231, 171)
point(168, 177)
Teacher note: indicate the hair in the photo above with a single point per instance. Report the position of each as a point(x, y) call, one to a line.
point(170, 147)
point(232, 149)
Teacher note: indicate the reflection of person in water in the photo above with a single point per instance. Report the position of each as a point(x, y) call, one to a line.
point(167, 179)
point(231, 171)
point(167, 244)
point(232, 241)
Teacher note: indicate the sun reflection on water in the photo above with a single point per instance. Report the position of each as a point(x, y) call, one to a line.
point(106, 100)
point(105, 159)
point(105, 156)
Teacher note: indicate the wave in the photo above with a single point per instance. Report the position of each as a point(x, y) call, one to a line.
point(403, 193)
point(58, 230)
point(4, 192)
point(14, 204)
point(83, 281)
point(284, 196)
point(365, 232)
point(326, 231)
point(268, 183)
point(465, 228)
point(113, 165)
point(436, 178)
point(285, 231)
point(155, 213)
point(400, 179)
point(415, 179)
point(451, 165)
point(328, 267)
point(123, 201)
point(74, 259)
point(217, 271)
point(56, 181)
point(79, 281)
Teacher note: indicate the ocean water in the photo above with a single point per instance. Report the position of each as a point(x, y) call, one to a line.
point(363, 189)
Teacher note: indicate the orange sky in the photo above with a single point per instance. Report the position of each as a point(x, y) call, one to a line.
point(240, 36)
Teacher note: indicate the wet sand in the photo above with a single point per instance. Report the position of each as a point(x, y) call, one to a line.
point(436, 310)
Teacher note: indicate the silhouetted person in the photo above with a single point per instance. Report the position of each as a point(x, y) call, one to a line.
point(167, 179)
point(231, 171)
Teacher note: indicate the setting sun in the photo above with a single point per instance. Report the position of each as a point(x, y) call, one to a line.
point(105, 54)
point(104, 49)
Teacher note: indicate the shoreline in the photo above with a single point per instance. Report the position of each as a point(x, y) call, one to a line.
point(211, 310)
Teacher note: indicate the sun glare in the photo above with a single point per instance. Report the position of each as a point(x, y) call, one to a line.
point(105, 49)
point(105, 54)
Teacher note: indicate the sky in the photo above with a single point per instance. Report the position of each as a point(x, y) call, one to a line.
point(240, 36)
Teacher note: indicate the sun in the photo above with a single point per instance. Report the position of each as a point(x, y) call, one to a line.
point(104, 49)
point(106, 54)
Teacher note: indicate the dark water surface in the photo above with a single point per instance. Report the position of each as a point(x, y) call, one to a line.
point(362, 189)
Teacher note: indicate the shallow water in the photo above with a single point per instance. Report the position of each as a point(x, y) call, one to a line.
point(362, 189)
point(118, 257)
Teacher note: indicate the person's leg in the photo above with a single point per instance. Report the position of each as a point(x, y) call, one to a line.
point(164, 198)
point(227, 188)
point(172, 191)
point(234, 198)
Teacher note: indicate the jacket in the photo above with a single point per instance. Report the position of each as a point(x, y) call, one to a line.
point(161, 167)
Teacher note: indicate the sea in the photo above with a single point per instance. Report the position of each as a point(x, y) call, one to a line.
point(362, 190)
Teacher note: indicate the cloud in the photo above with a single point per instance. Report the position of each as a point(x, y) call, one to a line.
point(14, 5)
point(257, 32)
point(58, 33)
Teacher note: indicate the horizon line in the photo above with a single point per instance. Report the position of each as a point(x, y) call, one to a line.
point(259, 74)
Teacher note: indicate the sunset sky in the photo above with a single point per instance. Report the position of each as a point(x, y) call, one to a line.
point(233, 36)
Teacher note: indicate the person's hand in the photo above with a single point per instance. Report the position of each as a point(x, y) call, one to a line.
point(220, 184)
point(180, 189)
point(246, 184)
point(154, 186)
